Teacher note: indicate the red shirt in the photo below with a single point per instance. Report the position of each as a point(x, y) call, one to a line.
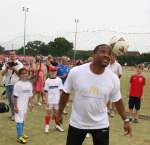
point(137, 83)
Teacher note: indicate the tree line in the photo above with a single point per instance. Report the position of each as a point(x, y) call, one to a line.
point(61, 46)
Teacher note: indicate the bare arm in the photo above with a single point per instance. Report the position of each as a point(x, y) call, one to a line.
point(121, 110)
point(16, 71)
point(3, 72)
point(63, 101)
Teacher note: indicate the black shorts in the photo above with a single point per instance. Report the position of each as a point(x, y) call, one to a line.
point(76, 136)
point(134, 102)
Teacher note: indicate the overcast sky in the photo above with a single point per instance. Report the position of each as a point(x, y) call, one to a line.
point(46, 16)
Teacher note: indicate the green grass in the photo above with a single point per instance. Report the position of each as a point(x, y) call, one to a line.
point(34, 124)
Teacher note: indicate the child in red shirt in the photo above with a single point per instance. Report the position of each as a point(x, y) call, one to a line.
point(137, 83)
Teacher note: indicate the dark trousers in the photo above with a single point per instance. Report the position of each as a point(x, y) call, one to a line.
point(76, 136)
point(9, 94)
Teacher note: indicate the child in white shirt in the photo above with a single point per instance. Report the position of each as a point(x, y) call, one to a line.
point(53, 87)
point(22, 99)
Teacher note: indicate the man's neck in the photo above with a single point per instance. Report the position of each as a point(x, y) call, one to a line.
point(96, 69)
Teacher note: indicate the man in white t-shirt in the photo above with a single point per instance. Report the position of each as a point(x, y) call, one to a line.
point(93, 86)
point(10, 73)
point(116, 68)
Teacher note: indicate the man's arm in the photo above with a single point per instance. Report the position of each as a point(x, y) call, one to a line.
point(14, 70)
point(121, 110)
point(4, 70)
point(62, 103)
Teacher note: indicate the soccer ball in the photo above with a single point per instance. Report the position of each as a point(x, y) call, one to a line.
point(119, 45)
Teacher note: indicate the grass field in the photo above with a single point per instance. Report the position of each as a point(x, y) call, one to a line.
point(34, 124)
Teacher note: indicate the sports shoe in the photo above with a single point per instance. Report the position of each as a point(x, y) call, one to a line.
point(21, 140)
point(59, 128)
point(87, 135)
point(25, 136)
point(46, 129)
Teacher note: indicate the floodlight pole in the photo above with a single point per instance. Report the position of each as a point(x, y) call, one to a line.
point(25, 10)
point(75, 41)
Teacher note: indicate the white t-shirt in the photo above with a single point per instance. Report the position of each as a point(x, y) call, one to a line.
point(23, 90)
point(115, 68)
point(53, 86)
point(91, 94)
point(11, 78)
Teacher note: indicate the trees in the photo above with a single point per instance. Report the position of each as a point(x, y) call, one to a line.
point(2, 49)
point(35, 47)
point(133, 60)
point(60, 46)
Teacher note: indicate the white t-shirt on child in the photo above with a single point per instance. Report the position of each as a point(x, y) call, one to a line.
point(53, 87)
point(91, 93)
point(23, 91)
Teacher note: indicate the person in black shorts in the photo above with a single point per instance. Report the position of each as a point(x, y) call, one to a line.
point(137, 83)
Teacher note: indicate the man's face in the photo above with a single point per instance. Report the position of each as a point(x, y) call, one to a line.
point(64, 60)
point(102, 56)
point(112, 58)
point(12, 56)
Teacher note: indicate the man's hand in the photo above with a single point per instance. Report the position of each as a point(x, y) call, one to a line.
point(127, 128)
